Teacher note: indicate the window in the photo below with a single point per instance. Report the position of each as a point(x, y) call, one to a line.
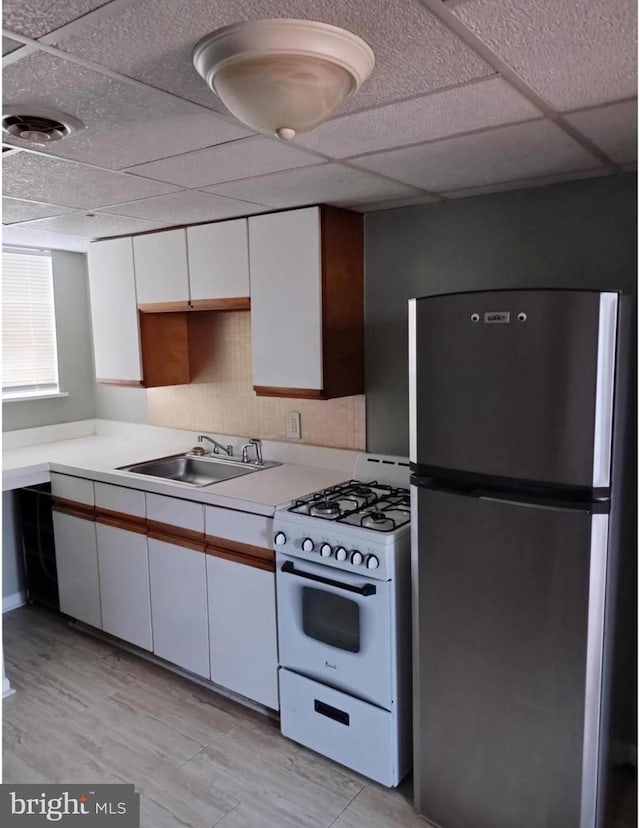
point(29, 350)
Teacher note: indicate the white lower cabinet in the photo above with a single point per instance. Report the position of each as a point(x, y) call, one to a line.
point(124, 584)
point(242, 629)
point(178, 580)
point(77, 566)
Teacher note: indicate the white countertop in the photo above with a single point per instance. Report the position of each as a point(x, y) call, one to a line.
point(97, 456)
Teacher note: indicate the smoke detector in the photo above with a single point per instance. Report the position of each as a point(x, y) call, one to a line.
point(38, 126)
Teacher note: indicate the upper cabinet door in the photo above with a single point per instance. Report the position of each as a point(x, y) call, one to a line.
point(116, 337)
point(162, 275)
point(218, 261)
point(286, 300)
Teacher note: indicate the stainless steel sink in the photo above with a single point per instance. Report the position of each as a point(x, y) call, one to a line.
point(195, 471)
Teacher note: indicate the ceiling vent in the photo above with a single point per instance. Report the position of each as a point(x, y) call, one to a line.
point(38, 126)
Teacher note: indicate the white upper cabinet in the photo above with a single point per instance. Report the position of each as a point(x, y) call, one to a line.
point(286, 299)
point(218, 260)
point(116, 335)
point(307, 297)
point(161, 268)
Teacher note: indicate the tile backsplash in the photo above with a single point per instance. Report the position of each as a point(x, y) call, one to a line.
point(221, 399)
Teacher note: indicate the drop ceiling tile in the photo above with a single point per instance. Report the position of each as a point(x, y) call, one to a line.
point(13, 210)
point(474, 106)
point(238, 159)
point(26, 236)
point(575, 53)
point(323, 184)
point(152, 41)
point(527, 183)
point(125, 124)
point(393, 203)
point(525, 151)
point(9, 45)
point(41, 178)
point(94, 225)
point(185, 208)
point(35, 18)
point(613, 128)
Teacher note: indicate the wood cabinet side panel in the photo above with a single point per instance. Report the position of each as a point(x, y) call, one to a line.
point(165, 349)
point(342, 302)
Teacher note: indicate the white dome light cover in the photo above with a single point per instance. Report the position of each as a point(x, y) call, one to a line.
point(283, 76)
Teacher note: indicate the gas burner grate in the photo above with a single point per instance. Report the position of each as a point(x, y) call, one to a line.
point(354, 501)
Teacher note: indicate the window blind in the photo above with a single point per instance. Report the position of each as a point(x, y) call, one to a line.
point(29, 351)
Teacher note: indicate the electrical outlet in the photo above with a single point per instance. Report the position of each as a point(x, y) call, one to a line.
point(293, 430)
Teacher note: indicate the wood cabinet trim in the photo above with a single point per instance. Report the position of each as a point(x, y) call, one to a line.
point(130, 383)
point(293, 393)
point(73, 508)
point(177, 540)
point(240, 548)
point(175, 531)
point(121, 520)
point(163, 307)
point(238, 557)
point(238, 303)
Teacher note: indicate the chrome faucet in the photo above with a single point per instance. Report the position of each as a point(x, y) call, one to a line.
point(255, 444)
point(216, 446)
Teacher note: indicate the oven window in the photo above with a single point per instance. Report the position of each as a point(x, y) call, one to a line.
point(330, 618)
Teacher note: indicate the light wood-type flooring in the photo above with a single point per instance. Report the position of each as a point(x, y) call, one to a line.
point(85, 711)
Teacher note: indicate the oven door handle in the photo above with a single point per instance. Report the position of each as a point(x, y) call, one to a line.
point(365, 589)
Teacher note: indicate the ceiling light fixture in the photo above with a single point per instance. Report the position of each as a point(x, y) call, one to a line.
point(282, 77)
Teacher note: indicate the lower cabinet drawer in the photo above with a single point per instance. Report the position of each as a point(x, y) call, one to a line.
point(347, 730)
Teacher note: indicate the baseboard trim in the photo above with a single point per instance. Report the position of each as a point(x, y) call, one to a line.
point(11, 602)
point(7, 689)
point(623, 753)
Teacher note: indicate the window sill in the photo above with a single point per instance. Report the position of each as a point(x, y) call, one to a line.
point(30, 397)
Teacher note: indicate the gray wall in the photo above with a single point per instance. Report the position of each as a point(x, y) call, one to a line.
point(114, 402)
point(75, 360)
point(12, 576)
point(581, 234)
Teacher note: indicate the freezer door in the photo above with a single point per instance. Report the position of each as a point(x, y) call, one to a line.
point(515, 384)
point(508, 631)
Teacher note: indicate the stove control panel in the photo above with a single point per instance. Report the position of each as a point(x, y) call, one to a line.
point(336, 549)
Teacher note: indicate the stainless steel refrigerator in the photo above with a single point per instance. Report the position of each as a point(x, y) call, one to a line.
point(517, 441)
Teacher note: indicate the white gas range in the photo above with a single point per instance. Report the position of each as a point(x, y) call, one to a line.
point(344, 619)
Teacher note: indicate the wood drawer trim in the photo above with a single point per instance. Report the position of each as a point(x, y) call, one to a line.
point(73, 508)
point(177, 540)
point(175, 531)
point(238, 557)
point(229, 304)
point(120, 520)
point(245, 553)
point(293, 393)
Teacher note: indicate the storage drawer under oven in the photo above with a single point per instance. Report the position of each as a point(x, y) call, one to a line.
point(350, 731)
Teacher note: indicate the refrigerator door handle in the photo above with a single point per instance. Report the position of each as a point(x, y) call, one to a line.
point(545, 506)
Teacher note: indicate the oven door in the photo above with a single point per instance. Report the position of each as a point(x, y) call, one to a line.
point(335, 627)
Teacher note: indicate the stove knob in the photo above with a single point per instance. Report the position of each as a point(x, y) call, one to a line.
point(372, 562)
point(307, 545)
point(280, 539)
point(356, 557)
point(326, 550)
point(341, 554)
